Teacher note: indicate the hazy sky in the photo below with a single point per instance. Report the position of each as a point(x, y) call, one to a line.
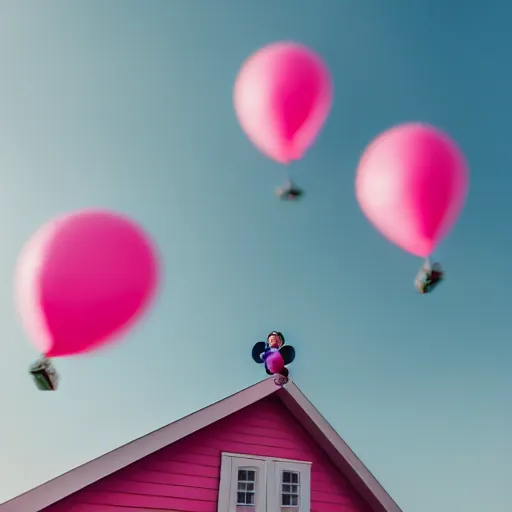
point(128, 105)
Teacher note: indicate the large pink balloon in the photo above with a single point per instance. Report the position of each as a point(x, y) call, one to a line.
point(282, 97)
point(82, 279)
point(412, 183)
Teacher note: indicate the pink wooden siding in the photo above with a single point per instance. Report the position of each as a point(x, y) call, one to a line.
point(184, 476)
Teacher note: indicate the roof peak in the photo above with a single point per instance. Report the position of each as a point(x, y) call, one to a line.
point(292, 398)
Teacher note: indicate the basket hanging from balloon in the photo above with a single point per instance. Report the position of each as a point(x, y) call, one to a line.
point(44, 374)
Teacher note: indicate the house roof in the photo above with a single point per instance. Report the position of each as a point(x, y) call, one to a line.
point(291, 396)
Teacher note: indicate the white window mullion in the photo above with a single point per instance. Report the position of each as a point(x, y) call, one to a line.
point(306, 488)
point(225, 484)
point(273, 503)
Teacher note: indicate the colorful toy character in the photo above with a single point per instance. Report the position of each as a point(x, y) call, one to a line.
point(428, 277)
point(275, 356)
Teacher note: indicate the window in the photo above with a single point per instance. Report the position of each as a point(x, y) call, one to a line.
point(243, 483)
point(290, 489)
point(246, 481)
point(258, 484)
point(292, 486)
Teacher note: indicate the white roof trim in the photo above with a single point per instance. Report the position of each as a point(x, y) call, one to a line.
point(63, 486)
point(342, 448)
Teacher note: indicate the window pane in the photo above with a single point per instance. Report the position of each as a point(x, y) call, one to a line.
point(247, 476)
point(245, 498)
point(245, 487)
point(289, 490)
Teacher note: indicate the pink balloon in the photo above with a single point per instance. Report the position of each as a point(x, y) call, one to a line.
point(282, 97)
point(412, 183)
point(275, 362)
point(82, 279)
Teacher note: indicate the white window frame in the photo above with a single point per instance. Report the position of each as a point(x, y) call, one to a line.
point(268, 481)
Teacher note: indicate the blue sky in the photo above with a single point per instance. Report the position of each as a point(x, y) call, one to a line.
point(128, 105)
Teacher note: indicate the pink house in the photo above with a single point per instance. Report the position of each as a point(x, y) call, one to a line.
point(264, 449)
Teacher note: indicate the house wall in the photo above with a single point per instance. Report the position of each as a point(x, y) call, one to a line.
point(184, 477)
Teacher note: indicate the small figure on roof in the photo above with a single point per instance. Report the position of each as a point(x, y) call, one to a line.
point(275, 356)
point(289, 192)
point(428, 277)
